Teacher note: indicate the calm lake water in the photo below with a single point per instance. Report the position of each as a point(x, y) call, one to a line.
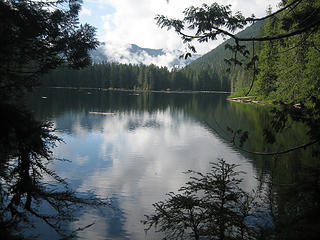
point(138, 151)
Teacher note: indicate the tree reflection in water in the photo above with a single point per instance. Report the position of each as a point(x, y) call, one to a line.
point(213, 206)
point(294, 204)
point(26, 181)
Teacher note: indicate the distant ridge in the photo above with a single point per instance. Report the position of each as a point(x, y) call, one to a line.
point(151, 52)
point(132, 53)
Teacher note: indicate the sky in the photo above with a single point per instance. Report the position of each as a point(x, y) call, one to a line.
point(122, 22)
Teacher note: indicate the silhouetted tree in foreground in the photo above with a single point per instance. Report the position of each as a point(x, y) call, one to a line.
point(209, 206)
point(37, 36)
point(214, 206)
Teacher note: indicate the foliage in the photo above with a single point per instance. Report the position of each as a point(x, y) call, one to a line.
point(287, 67)
point(211, 206)
point(266, 79)
point(37, 36)
point(208, 22)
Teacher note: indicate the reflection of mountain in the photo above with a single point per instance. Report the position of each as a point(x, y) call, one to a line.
point(134, 54)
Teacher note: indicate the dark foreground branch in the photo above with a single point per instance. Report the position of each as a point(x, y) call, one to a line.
point(280, 152)
point(259, 39)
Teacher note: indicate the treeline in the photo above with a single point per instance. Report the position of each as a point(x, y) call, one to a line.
point(289, 70)
point(138, 77)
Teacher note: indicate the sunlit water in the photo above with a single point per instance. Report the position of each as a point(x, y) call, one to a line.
point(137, 152)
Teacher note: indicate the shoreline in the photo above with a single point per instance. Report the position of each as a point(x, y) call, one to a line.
point(247, 100)
point(140, 91)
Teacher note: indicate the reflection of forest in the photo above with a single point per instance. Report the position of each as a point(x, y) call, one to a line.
point(210, 109)
point(295, 184)
point(29, 190)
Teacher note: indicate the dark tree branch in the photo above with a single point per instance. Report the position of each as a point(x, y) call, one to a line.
point(297, 2)
point(298, 44)
point(280, 152)
point(254, 69)
point(259, 39)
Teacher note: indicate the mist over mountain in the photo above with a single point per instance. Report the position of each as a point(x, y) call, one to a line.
point(134, 54)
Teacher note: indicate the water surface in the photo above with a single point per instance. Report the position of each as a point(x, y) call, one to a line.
point(137, 151)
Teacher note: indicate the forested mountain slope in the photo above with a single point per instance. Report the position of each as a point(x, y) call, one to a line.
point(288, 69)
point(213, 63)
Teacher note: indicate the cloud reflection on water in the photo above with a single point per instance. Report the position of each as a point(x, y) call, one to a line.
point(136, 157)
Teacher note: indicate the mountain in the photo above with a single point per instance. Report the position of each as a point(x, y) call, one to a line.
point(216, 56)
point(98, 55)
point(214, 61)
point(133, 54)
point(135, 49)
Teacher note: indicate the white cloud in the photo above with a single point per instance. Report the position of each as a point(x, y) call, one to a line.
point(118, 52)
point(124, 22)
point(133, 21)
point(85, 11)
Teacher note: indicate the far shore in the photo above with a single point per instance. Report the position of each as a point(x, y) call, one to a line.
point(142, 91)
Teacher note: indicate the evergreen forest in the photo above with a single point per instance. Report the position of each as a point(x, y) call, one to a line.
point(288, 69)
point(138, 77)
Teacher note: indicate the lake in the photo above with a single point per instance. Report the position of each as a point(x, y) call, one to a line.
point(133, 148)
